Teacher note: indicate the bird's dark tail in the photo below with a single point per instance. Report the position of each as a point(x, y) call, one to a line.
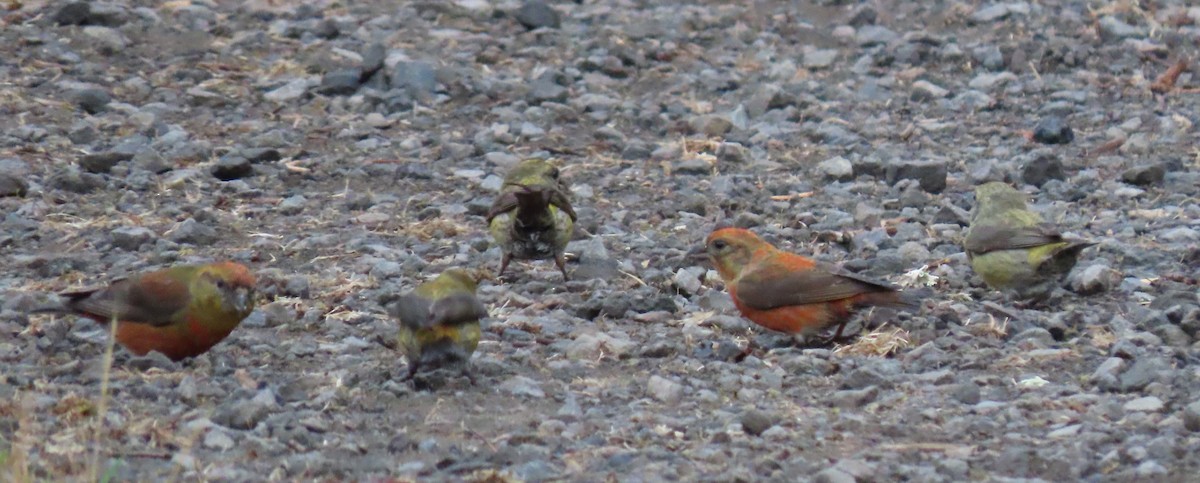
point(910, 299)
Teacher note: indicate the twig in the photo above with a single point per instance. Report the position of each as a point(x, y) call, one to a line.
point(1166, 81)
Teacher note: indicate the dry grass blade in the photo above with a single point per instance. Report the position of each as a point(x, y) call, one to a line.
point(93, 469)
point(995, 328)
point(881, 342)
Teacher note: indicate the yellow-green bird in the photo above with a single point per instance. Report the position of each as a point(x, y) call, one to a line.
point(1012, 248)
point(439, 322)
point(532, 219)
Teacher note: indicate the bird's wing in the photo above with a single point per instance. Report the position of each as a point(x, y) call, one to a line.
point(992, 237)
point(152, 299)
point(457, 309)
point(559, 199)
point(506, 202)
point(412, 310)
point(775, 287)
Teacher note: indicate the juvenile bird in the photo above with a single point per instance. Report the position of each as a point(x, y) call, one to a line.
point(180, 311)
point(1012, 248)
point(439, 322)
point(532, 219)
point(790, 293)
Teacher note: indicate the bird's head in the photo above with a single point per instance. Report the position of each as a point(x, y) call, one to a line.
point(235, 284)
point(730, 249)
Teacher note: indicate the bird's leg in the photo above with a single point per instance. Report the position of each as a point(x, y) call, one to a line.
point(751, 348)
point(504, 264)
point(412, 371)
point(837, 335)
point(561, 261)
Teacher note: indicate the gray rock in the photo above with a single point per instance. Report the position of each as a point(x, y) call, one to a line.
point(12, 185)
point(820, 58)
point(91, 13)
point(1142, 373)
point(733, 153)
point(192, 231)
point(231, 167)
point(1145, 175)
point(218, 440)
point(342, 82)
point(150, 160)
point(687, 279)
point(854, 398)
point(522, 386)
point(1041, 169)
point(754, 422)
point(967, 393)
point(712, 125)
point(241, 413)
point(75, 181)
point(1094, 279)
point(872, 35)
point(833, 475)
point(1107, 374)
point(990, 13)
point(692, 165)
point(664, 389)
point(1053, 130)
point(419, 79)
point(373, 59)
point(292, 90)
point(101, 163)
point(1113, 28)
point(1148, 404)
point(73, 13)
point(131, 238)
point(865, 376)
point(546, 90)
point(1191, 416)
point(836, 168)
point(535, 14)
point(292, 205)
point(925, 90)
point(106, 39)
point(91, 100)
point(931, 174)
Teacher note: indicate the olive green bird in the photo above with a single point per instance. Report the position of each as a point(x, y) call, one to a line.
point(1012, 248)
point(532, 219)
point(439, 322)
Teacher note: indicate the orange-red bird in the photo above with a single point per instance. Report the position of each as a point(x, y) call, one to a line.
point(789, 293)
point(180, 311)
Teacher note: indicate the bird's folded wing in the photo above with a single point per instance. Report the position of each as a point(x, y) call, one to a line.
point(991, 237)
point(412, 310)
point(780, 288)
point(457, 309)
point(559, 199)
point(153, 299)
point(504, 203)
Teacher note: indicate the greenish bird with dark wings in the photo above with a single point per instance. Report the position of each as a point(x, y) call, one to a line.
point(1012, 248)
point(532, 218)
point(439, 322)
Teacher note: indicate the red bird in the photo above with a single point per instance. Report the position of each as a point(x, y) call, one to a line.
point(180, 311)
point(789, 293)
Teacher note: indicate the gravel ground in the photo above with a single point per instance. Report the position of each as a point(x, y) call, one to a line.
point(348, 150)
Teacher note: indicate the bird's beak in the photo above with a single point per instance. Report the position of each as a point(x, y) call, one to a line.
point(243, 299)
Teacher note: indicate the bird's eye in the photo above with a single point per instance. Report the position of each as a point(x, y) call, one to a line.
point(720, 244)
point(553, 173)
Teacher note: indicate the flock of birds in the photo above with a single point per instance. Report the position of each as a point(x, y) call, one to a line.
point(182, 311)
